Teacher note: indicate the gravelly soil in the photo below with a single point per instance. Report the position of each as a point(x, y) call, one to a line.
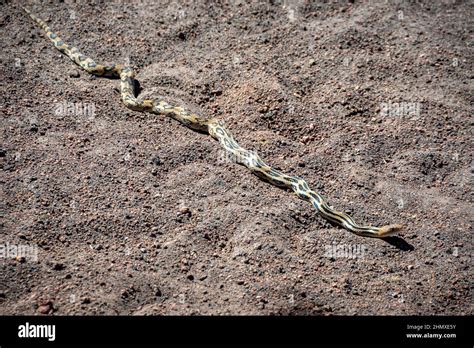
point(132, 213)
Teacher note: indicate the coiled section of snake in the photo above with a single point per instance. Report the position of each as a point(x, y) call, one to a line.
point(217, 130)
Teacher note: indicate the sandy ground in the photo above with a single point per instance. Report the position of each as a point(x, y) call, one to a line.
point(130, 213)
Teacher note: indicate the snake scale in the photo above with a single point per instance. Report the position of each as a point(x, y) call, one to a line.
point(216, 129)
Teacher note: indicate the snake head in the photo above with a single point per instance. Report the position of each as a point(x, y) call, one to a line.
point(389, 230)
point(148, 104)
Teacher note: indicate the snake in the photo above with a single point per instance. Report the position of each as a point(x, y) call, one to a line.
point(217, 130)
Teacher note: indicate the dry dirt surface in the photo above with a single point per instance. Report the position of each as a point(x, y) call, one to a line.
point(130, 213)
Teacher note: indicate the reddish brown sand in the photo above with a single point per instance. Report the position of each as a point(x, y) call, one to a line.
point(132, 213)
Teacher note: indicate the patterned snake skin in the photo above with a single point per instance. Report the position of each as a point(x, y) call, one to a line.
point(217, 130)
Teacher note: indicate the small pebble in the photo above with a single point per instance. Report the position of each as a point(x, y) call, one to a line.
point(184, 211)
point(45, 308)
point(157, 161)
point(74, 73)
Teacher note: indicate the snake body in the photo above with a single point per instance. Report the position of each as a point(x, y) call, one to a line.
point(217, 130)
